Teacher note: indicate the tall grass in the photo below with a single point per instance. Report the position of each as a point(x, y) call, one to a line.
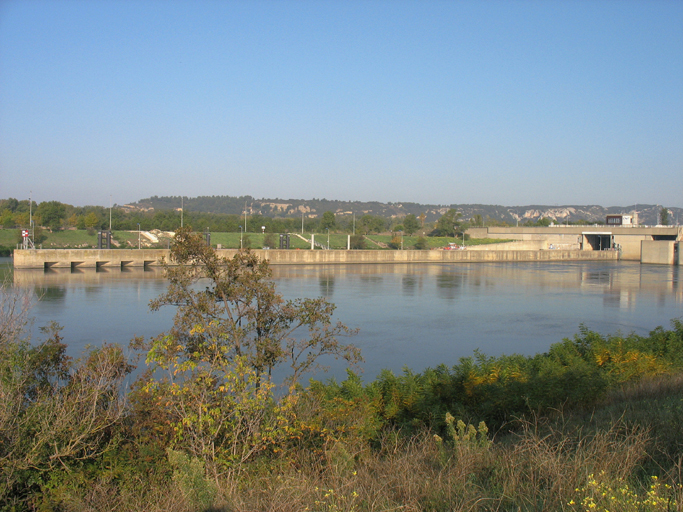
point(538, 468)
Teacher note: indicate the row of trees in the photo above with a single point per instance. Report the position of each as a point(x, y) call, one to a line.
point(55, 215)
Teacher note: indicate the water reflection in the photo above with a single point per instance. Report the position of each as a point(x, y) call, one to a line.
point(448, 286)
point(419, 315)
point(326, 286)
point(50, 294)
point(410, 284)
point(620, 283)
point(81, 277)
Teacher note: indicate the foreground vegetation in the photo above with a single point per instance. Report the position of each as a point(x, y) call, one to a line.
point(595, 423)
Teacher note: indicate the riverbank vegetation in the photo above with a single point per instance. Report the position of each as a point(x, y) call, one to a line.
point(221, 420)
point(83, 239)
point(53, 225)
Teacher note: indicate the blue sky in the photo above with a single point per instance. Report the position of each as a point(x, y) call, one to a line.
point(514, 103)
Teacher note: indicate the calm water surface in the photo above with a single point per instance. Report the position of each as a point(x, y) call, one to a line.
point(408, 315)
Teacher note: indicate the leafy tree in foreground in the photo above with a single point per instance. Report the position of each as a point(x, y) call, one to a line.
point(240, 311)
point(231, 331)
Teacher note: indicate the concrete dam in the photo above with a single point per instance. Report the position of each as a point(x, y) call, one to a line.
point(658, 245)
point(123, 258)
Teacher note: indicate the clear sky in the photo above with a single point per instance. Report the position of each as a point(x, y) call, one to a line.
point(512, 102)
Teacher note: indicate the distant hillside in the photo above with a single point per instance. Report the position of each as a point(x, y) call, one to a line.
point(312, 208)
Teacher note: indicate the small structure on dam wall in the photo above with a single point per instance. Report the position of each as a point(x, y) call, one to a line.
point(132, 258)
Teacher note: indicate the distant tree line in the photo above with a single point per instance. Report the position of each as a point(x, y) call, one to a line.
point(166, 216)
point(54, 215)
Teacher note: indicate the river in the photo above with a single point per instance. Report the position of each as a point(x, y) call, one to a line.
point(408, 315)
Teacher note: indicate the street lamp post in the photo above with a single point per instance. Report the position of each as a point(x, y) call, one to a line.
point(30, 216)
point(328, 239)
point(241, 236)
point(138, 235)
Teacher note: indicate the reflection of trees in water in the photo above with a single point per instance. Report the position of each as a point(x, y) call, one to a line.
point(371, 282)
point(326, 284)
point(449, 286)
point(374, 279)
point(51, 294)
point(409, 284)
point(93, 290)
point(6, 274)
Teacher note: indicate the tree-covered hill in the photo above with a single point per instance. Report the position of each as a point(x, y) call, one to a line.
point(313, 208)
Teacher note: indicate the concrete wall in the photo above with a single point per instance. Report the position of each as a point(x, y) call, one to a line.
point(123, 258)
point(518, 245)
point(572, 237)
point(659, 252)
point(631, 245)
point(88, 258)
point(512, 232)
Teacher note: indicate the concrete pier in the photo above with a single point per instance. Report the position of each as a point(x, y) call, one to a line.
point(140, 258)
point(661, 252)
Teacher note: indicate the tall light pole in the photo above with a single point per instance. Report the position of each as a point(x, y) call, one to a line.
point(302, 222)
point(241, 236)
point(30, 214)
point(328, 239)
point(110, 213)
point(138, 235)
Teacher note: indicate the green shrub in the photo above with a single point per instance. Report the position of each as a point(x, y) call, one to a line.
point(189, 475)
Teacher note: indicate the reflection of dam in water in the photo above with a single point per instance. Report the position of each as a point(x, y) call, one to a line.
point(419, 315)
point(620, 282)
